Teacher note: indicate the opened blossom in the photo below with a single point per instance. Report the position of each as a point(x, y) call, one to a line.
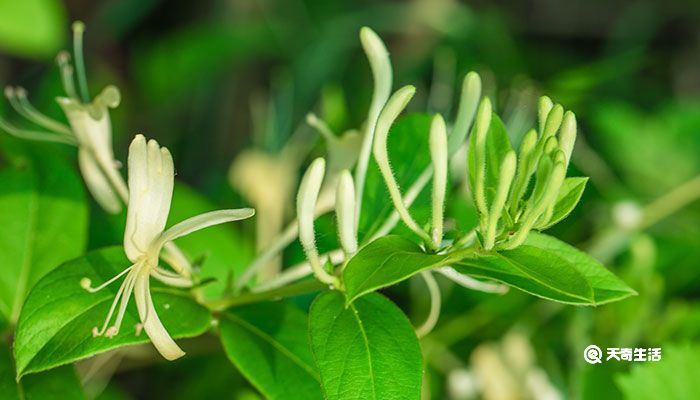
point(150, 181)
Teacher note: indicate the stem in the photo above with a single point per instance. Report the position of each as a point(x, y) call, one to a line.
point(671, 202)
point(299, 271)
point(435, 305)
point(274, 294)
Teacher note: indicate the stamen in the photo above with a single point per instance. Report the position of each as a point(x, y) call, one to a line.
point(130, 281)
point(34, 115)
point(322, 128)
point(35, 135)
point(86, 282)
point(120, 292)
point(78, 29)
point(63, 61)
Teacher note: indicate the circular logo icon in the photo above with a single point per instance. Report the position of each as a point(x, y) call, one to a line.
point(593, 354)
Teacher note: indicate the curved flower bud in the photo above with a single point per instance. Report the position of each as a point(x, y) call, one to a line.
point(380, 65)
point(468, 102)
point(391, 111)
point(439, 156)
point(506, 174)
point(567, 135)
point(527, 163)
point(481, 128)
point(306, 206)
point(345, 212)
point(544, 107)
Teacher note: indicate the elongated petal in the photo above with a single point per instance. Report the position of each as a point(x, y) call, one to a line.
point(202, 221)
point(151, 178)
point(155, 330)
point(97, 183)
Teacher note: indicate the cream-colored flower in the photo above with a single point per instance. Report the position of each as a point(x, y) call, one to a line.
point(89, 127)
point(151, 177)
point(92, 129)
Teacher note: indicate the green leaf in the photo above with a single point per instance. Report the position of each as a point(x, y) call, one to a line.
point(222, 248)
point(55, 327)
point(497, 146)
point(569, 195)
point(408, 134)
point(34, 28)
point(551, 269)
point(672, 378)
point(268, 343)
point(386, 261)
point(606, 286)
point(59, 383)
point(368, 350)
point(44, 223)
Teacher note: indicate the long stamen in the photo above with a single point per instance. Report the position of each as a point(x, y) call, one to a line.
point(95, 331)
point(63, 61)
point(35, 135)
point(130, 281)
point(86, 282)
point(322, 128)
point(20, 102)
point(78, 29)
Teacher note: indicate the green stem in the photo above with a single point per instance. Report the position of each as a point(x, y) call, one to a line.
point(668, 204)
point(279, 293)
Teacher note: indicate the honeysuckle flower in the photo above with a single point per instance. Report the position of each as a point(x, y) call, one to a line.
point(151, 177)
point(90, 123)
point(89, 126)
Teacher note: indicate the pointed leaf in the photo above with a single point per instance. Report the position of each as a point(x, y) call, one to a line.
point(269, 344)
point(386, 261)
point(569, 196)
point(59, 383)
point(551, 269)
point(44, 223)
point(606, 286)
point(368, 350)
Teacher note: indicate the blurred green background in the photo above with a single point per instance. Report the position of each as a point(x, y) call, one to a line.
point(210, 79)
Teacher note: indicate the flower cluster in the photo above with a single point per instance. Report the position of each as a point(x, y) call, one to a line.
point(516, 194)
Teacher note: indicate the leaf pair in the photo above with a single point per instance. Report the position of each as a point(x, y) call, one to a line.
point(542, 266)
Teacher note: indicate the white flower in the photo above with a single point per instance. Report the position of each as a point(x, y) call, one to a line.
point(151, 177)
point(90, 124)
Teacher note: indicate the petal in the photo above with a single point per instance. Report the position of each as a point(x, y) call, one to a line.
point(97, 183)
point(151, 177)
point(93, 133)
point(202, 221)
point(155, 330)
